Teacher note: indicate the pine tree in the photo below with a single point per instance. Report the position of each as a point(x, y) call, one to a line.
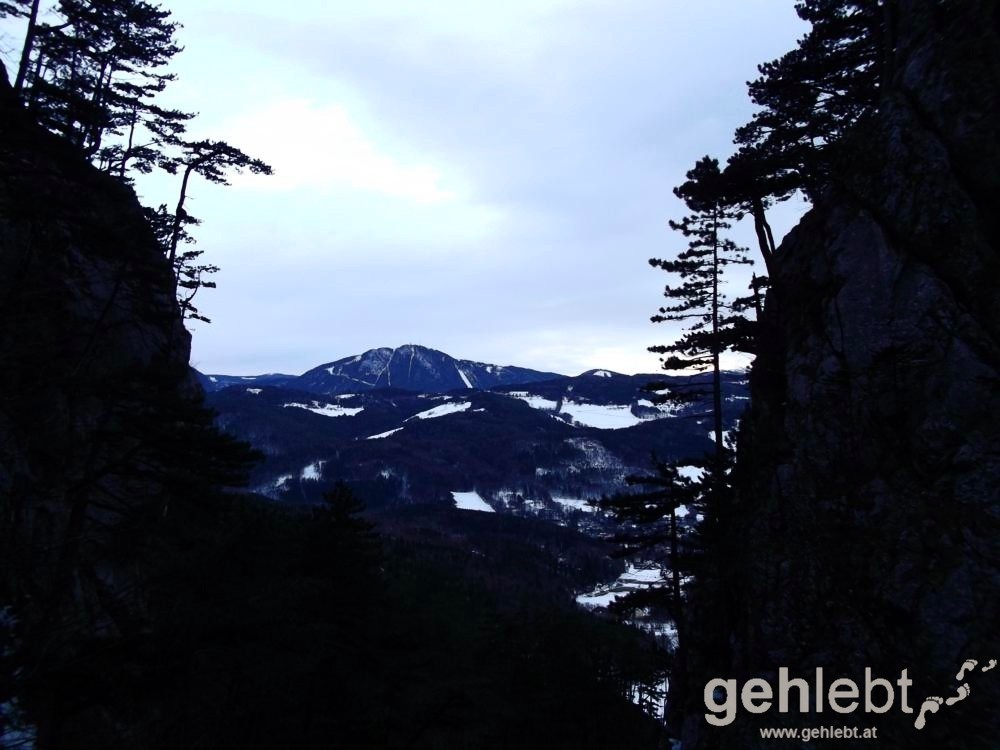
point(650, 527)
point(94, 75)
point(698, 299)
point(343, 546)
point(213, 160)
point(810, 97)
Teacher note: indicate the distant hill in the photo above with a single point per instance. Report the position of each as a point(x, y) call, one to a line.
point(217, 382)
point(410, 367)
point(540, 449)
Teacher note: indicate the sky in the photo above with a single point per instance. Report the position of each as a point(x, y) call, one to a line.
point(487, 179)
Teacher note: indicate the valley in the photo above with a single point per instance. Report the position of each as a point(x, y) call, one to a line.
point(539, 444)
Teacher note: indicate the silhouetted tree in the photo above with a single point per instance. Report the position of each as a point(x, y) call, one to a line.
point(810, 97)
point(214, 161)
point(23, 9)
point(95, 74)
point(698, 299)
point(344, 545)
point(650, 521)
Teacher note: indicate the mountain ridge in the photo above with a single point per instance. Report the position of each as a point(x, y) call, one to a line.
point(410, 367)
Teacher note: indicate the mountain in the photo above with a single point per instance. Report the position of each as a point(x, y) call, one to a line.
point(412, 368)
point(409, 367)
point(215, 382)
point(535, 449)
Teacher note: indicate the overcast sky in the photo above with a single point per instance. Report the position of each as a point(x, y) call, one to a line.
point(484, 178)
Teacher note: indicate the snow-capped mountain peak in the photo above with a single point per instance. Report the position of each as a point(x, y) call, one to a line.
point(411, 367)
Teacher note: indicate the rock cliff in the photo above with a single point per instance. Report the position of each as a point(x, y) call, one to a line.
point(98, 416)
point(869, 465)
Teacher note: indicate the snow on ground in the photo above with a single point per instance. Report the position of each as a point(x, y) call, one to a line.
point(611, 417)
point(665, 410)
point(464, 377)
point(274, 488)
point(442, 410)
point(635, 577)
point(693, 473)
point(383, 434)
point(646, 574)
point(254, 391)
point(313, 472)
point(569, 502)
point(329, 410)
point(535, 402)
point(596, 600)
point(601, 374)
point(471, 501)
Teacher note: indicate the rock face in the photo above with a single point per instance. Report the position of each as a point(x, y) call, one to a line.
point(94, 376)
point(869, 502)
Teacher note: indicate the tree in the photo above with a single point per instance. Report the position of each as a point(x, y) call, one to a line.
point(343, 546)
point(650, 521)
point(810, 97)
point(699, 300)
point(95, 75)
point(22, 9)
point(213, 160)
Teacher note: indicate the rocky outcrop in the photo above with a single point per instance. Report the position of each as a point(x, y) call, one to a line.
point(869, 468)
point(93, 383)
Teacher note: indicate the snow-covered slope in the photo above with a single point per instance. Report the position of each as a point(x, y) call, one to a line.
point(412, 368)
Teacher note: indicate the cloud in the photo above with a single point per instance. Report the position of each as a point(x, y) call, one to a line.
point(319, 146)
point(466, 176)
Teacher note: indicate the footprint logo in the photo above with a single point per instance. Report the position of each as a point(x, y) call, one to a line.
point(967, 666)
point(932, 703)
point(963, 693)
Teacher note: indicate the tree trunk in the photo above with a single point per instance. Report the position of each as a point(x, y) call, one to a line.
point(764, 237)
point(175, 232)
point(29, 43)
point(127, 153)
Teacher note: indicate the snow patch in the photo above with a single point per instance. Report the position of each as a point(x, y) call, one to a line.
point(464, 377)
point(535, 402)
point(569, 502)
point(383, 434)
point(601, 374)
point(254, 391)
point(328, 410)
point(471, 501)
point(694, 473)
point(442, 410)
point(610, 417)
point(313, 472)
point(635, 578)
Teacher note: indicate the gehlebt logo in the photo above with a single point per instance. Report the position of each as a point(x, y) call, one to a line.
point(843, 696)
